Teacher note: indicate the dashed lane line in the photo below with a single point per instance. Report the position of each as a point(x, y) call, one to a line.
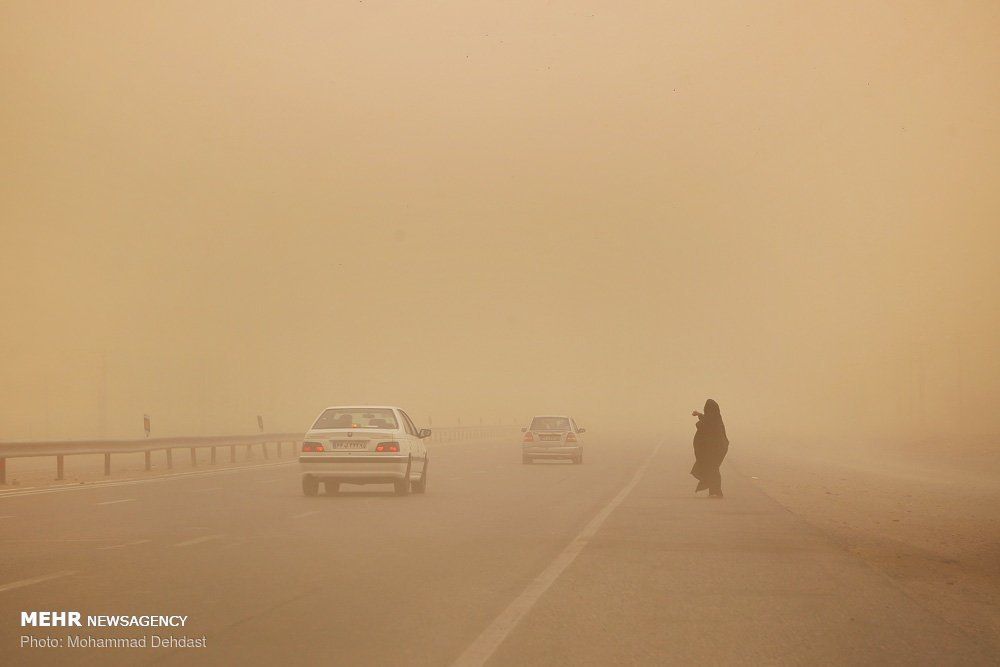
point(115, 502)
point(199, 540)
point(35, 580)
point(125, 544)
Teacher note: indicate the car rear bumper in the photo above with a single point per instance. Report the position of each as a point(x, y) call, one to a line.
point(562, 452)
point(373, 469)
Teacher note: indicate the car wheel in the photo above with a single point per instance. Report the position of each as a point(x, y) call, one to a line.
point(579, 458)
point(525, 459)
point(310, 486)
point(421, 486)
point(403, 485)
point(332, 488)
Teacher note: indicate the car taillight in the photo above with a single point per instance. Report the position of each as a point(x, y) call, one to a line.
point(387, 447)
point(570, 437)
point(312, 447)
point(528, 437)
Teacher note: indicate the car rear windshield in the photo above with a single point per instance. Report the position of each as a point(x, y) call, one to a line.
point(357, 418)
point(550, 424)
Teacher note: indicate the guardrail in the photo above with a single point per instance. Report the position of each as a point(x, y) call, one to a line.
point(63, 448)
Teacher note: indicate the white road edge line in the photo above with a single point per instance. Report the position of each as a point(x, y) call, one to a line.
point(35, 580)
point(199, 540)
point(126, 544)
point(305, 514)
point(486, 644)
point(115, 502)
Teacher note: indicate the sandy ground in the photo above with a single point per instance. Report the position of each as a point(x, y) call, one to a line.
point(926, 515)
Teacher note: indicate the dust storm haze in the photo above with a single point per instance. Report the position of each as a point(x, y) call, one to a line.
point(487, 210)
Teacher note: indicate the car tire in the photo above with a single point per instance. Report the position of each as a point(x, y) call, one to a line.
point(310, 486)
point(331, 488)
point(403, 485)
point(421, 486)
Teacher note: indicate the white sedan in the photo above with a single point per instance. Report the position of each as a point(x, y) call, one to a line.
point(364, 445)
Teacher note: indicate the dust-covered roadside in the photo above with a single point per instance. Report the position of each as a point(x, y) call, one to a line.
point(926, 514)
point(40, 472)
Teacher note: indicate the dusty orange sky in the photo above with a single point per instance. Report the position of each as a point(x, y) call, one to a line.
point(214, 210)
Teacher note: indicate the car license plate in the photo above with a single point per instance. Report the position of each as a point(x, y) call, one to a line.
point(549, 437)
point(348, 444)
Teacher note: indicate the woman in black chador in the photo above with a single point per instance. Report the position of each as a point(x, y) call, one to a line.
point(710, 447)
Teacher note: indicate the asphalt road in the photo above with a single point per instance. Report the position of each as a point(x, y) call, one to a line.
point(615, 561)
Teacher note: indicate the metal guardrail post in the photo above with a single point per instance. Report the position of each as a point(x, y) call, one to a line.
point(170, 459)
point(149, 460)
point(249, 452)
point(194, 458)
point(60, 468)
point(263, 448)
point(3, 471)
point(213, 455)
point(279, 449)
point(107, 465)
point(232, 453)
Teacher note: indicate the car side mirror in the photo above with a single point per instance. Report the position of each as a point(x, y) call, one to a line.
point(424, 433)
point(581, 430)
point(524, 429)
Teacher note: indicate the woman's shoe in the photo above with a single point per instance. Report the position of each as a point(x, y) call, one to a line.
point(701, 487)
point(716, 495)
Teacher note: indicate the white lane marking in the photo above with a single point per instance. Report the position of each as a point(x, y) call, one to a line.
point(133, 482)
point(126, 544)
point(199, 540)
point(271, 481)
point(304, 514)
point(211, 488)
point(486, 644)
point(115, 502)
point(35, 580)
point(54, 540)
point(233, 544)
point(7, 516)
